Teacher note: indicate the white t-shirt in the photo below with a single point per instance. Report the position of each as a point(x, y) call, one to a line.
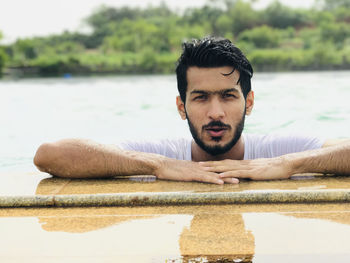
point(255, 146)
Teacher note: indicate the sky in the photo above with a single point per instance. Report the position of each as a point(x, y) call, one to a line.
point(23, 18)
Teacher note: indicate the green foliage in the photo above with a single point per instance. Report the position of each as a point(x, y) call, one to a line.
point(104, 15)
point(2, 60)
point(261, 37)
point(333, 4)
point(26, 48)
point(335, 32)
point(310, 37)
point(3, 56)
point(133, 40)
point(280, 16)
point(325, 55)
point(206, 15)
point(243, 16)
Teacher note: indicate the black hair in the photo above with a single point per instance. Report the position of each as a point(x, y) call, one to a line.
point(211, 52)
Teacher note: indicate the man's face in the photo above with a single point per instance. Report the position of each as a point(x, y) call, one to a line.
point(215, 108)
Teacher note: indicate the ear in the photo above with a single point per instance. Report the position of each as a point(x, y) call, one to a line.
point(181, 107)
point(249, 102)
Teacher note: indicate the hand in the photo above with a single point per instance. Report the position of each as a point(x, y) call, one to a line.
point(258, 169)
point(171, 169)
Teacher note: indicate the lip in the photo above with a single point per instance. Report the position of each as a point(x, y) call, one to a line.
point(216, 131)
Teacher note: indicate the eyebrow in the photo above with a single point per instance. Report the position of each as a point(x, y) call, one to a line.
point(214, 92)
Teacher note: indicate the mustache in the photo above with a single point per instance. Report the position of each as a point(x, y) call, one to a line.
point(216, 124)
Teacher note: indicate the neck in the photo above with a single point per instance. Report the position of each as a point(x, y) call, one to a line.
point(236, 153)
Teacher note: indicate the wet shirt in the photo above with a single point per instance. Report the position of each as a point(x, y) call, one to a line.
point(255, 146)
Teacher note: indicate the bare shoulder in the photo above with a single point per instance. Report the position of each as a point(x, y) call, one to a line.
point(334, 142)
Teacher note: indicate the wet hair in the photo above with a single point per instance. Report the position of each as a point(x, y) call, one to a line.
point(211, 52)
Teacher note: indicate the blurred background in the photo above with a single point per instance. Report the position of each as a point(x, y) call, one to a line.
point(104, 69)
point(93, 37)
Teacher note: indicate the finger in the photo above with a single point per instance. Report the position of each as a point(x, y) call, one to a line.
point(210, 163)
point(216, 169)
point(231, 180)
point(220, 163)
point(210, 178)
point(235, 174)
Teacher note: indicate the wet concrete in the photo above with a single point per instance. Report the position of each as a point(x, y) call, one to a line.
point(146, 190)
point(303, 232)
point(235, 233)
point(13, 184)
point(50, 186)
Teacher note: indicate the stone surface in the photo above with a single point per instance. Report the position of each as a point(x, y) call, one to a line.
point(146, 190)
point(14, 184)
point(179, 198)
point(150, 184)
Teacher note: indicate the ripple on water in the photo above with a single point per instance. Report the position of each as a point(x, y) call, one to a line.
point(286, 124)
point(325, 117)
point(146, 106)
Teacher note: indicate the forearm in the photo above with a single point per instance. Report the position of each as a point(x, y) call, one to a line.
point(75, 158)
point(333, 160)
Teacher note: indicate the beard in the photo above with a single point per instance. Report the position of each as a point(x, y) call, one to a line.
point(217, 149)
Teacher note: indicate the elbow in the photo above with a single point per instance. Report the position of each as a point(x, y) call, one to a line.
point(43, 157)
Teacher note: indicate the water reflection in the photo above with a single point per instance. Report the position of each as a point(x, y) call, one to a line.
point(205, 233)
point(217, 237)
point(209, 237)
point(212, 233)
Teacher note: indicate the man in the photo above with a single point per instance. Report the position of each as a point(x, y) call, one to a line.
point(213, 79)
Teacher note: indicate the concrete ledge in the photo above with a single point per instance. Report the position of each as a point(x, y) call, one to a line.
point(27, 201)
point(178, 198)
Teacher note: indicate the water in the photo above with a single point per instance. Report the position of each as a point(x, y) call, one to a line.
point(110, 109)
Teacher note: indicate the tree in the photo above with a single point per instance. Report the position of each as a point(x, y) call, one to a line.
point(243, 16)
point(26, 48)
point(333, 4)
point(335, 32)
point(2, 56)
point(206, 15)
point(280, 16)
point(261, 37)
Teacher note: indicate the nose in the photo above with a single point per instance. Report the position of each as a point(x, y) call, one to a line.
point(216, 110)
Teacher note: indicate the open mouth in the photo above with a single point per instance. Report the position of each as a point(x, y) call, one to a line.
point(216, 131)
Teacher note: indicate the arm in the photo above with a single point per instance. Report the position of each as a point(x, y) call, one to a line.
point(76, 158)
point(333, 157)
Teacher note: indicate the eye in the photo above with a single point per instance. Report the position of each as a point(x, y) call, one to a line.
point(228, 96)
point(200, 97)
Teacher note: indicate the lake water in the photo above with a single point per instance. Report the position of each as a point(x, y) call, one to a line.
point(110, 109)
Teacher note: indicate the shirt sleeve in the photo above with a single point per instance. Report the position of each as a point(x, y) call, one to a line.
point(269, 146)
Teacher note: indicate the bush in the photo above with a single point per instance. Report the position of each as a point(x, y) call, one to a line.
point(326, 56)
point(335, 32)
point(261, 37)
point(134, 40)
point(276, 59)
point(269, 60)
point(280, 16)
point(3, 58)
point(243, 16)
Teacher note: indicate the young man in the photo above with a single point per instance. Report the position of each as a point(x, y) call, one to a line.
point(213, 79)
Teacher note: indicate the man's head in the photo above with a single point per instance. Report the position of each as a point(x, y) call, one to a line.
point(215, 92)
point(211, 52)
